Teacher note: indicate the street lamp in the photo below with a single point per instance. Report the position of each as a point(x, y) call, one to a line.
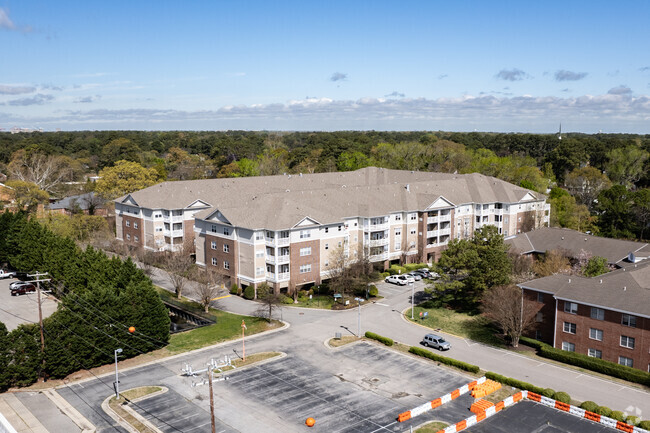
point(359, 317)
point(117, 380)
point(412, 298)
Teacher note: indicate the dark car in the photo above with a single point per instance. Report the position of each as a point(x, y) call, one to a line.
point(21, 289)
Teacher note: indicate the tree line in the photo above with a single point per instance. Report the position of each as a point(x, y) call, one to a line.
point(100, 299)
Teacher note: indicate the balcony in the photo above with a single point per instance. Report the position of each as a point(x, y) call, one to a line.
point(270, 259)
point(378, 227)
point(282, 259)
point(432, 233)
point(177, 218)
point(174, 233)
point(378, 257)
point(283, 276)
point(444, 217)
point(444, 232)
point(282, 242)
point(431, 220)
point(378, 242)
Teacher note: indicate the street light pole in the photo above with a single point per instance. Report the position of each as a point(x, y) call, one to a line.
point(117, 380)
point(412, 298)
point(358, 317)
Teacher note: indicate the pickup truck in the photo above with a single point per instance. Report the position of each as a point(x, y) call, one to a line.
point(6, 274)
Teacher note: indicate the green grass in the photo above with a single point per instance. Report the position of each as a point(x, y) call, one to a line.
point(318, 301)
point(475, 328)
point(432, 427)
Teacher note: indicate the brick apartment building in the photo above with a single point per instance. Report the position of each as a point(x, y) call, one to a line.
point(606, 317)
point(284, 229)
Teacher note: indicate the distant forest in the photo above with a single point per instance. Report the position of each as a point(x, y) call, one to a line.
point(596, 183)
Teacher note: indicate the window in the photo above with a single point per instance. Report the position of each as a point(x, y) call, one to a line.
point(570, 327)
point(135, 225)
point(412, 231)
point(539, 317)
point(226, 248)
point(628, 362)
point(214, 261)
point(540, 297)
point(628, 320)
point(136, 239)
point(570, 307)
point(340, 244)
point(398, 232)
point(259, 253)
point(213, 245)
point(226, 264)
point(305, 234)
point(327, 264)
point(627, 342)
point(305, 251)
point(259, 236)
point(398, 217)
point(128, 223)
point(597, 313)
point(159, 229)
point(128, 237)
point(226, 231)
point(157, 215)
point(213, 228)
point(569, 347)
point(259, 271)
point(305, 268)
point(595, 353)
point(398, 246)
point(327, 246)
point(413, 217)
point(596, 334)
point(538, 335)
point(327, 230)
point(478, 219)
point(340, 227)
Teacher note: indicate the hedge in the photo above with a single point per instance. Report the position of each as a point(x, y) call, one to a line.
point(444, 360)
point(604, 411)
point(373, 291)
point(633, 420)
point(595, 364)
point(385, 340)
point(514, 382)
point(548, 392)
point(588, 362)
point(249, 292)
point(589, 405)
point(562, 397)
point(617, 415)
point(645, 424)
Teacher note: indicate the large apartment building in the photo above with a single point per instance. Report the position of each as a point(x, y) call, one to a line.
point(284, 230)
point(606, 317)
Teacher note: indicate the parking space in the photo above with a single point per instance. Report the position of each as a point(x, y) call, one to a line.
point(389, 290)
point(530, 417)
point(23, 308)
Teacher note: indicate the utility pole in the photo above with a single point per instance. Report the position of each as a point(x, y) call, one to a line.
point(38, 280)
point(210, 374)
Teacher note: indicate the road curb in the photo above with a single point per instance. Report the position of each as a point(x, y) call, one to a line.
point(70, 411)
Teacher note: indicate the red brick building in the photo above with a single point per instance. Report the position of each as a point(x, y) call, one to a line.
point(606, 317)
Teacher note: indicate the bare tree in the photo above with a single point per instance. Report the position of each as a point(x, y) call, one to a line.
point(147, 259)
point(178, 266)
point(269, 302)
point(338, 270)
point(522, 266)
point(207, 287)
point(505, 306)
point(46, 171)
point(553, 262)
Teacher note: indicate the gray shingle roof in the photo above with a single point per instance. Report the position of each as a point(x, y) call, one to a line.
point(280, 202)
point(548, 238)
point(68, 202)
point(626, 289)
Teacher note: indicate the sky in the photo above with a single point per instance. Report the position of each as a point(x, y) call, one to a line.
point(503, 66)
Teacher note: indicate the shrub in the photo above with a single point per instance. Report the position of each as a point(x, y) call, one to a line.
point(633, 420)
point(385, 340)
point(595, 364)
point(617, 415)
point(384, 274)
point(645, 424)
point(548, 392)
point(562, 396)
point(532, 342)
point(234, 289)
point(396, 269)
point(603, 410)
point(444, 360)
point(514, 382)
point(373, 291)
point(286, 299)
point(249, 292)
point(589, 405)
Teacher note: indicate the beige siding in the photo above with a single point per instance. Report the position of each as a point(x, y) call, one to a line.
point(247, 260)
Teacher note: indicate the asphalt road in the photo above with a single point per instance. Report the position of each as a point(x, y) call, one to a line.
point(22, 306)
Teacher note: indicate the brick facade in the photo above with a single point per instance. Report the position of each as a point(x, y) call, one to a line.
point(313, 276)
point(131, 234)
point(545, 323)
point(223, 258)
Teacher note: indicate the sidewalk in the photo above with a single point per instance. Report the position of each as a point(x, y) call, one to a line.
point(19, 416)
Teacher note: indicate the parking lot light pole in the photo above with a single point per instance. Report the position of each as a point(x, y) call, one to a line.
point(117, 380)
point(359, 317)
point(412, 298)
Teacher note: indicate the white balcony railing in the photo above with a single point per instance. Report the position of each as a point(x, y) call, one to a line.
point(431, 220)
point(378, 242)
point(177, 218)
point(283, 276)
point(444, 217)
point(444, 232)
point(378, 257)
point(282, 259)
point(378, 227)
point(282, 242)
point(432, 233)
point(270, 259)
point(270, 242)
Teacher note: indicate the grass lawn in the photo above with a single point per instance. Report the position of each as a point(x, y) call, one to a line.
point(432, 427)
point(476, 328)
point(318, 301)
point(131, 394)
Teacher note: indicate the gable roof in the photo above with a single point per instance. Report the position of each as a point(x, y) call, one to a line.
point(80, 200)
point(281, 202)
point(626, 289)
point(549, 238)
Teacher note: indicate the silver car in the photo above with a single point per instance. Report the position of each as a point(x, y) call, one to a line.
point(436, 341)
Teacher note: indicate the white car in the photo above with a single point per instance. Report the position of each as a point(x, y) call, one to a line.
point(397, 279)
point(6, 274)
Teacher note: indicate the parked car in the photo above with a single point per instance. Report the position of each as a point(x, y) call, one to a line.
point(416, 276)
point(6, 274)
point(23, 288)
point(421, 273)
point(15, 283)
point(436, 341)
point(428, 274)
point(395, 279)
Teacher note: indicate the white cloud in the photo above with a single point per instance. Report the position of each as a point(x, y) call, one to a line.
point(6, 89)
point(513, 74)
point(5, 21)
point(563, 75)
point(338, 76)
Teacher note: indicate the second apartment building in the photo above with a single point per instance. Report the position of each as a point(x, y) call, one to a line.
point(288, 230)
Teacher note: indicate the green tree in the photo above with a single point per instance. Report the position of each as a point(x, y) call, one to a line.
point(124, 177)
point(642, 210)
point(585, 184)
point(626, 165)
point(615, 208)
point(27, 195)
point(120, 149)
point(24, 355)
point(565, 212)
point(472, 266)
point(4, 358)
point(349, 161)
point(595, 266)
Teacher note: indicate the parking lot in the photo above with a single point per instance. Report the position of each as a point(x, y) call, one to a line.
point(389, 290)
point(23, 308)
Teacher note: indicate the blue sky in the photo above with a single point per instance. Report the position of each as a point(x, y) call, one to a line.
point(326, 65)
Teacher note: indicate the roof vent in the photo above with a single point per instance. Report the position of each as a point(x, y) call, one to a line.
point(562, 237)
point(289, 176)
point(585, 239)
point(624, 288)
point(601, 281)
point(408, 187)
point(286, 190)
point(300, 174)
point(569, 280)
